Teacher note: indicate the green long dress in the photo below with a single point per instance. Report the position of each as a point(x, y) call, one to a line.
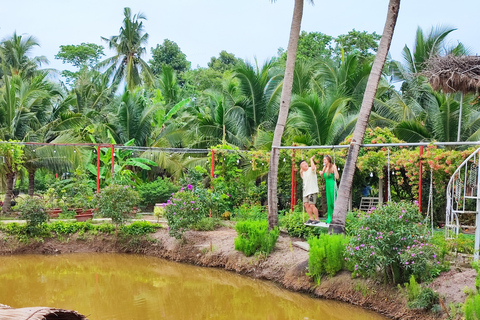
point(331, 190)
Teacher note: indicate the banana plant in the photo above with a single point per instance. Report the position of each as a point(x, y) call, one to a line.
point(125, 164)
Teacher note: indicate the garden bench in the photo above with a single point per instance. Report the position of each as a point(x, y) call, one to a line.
point(368, 202)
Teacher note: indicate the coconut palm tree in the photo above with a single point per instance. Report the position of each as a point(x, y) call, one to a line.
point(260, 87)
point(127, 63)
point(341, 204)
point(283, 113)
point(323, 119)
point(14, 56)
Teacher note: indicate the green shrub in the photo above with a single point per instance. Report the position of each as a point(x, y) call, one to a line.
point(183, 211)
point(472, 307)
point(462, 243)
point(158, 191)
point(393, 241)
point(426, 299)
point(326, 255)
point(33, 210)
point(293, 222)
point(253, 237)
point(138, 228)
point(207, 224)
point(116, 202)
point(247, 212)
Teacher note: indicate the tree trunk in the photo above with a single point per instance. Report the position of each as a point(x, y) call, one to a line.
point(31, 182)
point(344, 190)
point(9, 193)
point(283, 113)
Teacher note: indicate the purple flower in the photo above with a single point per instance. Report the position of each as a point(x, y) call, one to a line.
point(228, 195)
point(190, 187)
point(434, 256)
point(413, 262)
point(174, 213)
point(406, 262)
point(403, 211)
point(192, 201)
point(181, 189)
point(357, 248)
point(413, 254)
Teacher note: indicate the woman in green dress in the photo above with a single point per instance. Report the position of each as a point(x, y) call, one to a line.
point(330, 173)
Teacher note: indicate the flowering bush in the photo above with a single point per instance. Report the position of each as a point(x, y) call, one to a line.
point(392, 240)
point(116, 202)
point(33, 210)
point(183, 210)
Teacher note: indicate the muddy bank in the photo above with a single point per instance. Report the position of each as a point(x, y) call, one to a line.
point(285, 266)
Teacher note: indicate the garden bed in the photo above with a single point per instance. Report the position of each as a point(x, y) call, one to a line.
point(286, 265)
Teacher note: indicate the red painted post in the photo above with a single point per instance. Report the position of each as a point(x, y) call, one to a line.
point(420, 181)
point(98, 169)
point(213, 163)
point(292, 196)
point(113, 160)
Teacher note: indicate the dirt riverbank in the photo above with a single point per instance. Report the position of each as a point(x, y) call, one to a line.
point(286, 266)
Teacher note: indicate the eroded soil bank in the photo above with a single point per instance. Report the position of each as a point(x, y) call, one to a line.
point(285, 266)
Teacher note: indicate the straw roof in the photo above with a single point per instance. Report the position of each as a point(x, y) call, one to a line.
point(453, 73)
point(38, 313)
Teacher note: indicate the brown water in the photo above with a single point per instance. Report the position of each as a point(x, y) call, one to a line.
point(116, 286)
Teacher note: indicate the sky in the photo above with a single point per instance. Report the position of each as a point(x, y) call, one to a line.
point(250, 29)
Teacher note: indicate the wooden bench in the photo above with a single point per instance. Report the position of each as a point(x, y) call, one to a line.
point(368, 202)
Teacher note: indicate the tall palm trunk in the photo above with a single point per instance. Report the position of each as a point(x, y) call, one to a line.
point(283, 113)
point(345, 188)
point(9, 193)
point(31, 182)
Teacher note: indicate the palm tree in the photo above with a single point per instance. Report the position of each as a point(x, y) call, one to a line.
point(283, 113)
point(127, 63)
point(323, 119)
point(14, 56)
point(260, 88)
point(341, 204)
point(25, 105)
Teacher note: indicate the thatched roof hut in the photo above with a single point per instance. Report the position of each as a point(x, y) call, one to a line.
point(453, 73)
point(38, 313)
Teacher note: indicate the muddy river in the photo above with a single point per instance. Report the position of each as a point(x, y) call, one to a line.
point(126, 287)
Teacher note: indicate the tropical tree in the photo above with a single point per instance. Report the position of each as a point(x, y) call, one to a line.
point(341, 204)
point(283, 113)
point(168, 54)
point(127, 64)
point(260, 88)
point(14, 53)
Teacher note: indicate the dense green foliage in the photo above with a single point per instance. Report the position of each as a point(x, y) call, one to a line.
point(33, 210)
point(116, 202)
point(158, 191)
point(254, 237)
point(183, 211)
point(326, 255)
point(393, 241)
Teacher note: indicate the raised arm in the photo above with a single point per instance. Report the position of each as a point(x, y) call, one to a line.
point(312, 164)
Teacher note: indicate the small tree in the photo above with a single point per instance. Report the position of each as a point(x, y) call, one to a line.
point(116, 202)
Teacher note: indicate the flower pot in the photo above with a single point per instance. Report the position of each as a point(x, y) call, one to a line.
point(84, 217)
point(53, 213)
point(88, 211)
point(79, 210)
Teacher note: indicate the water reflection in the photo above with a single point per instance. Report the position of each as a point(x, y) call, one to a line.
point(115, 286)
